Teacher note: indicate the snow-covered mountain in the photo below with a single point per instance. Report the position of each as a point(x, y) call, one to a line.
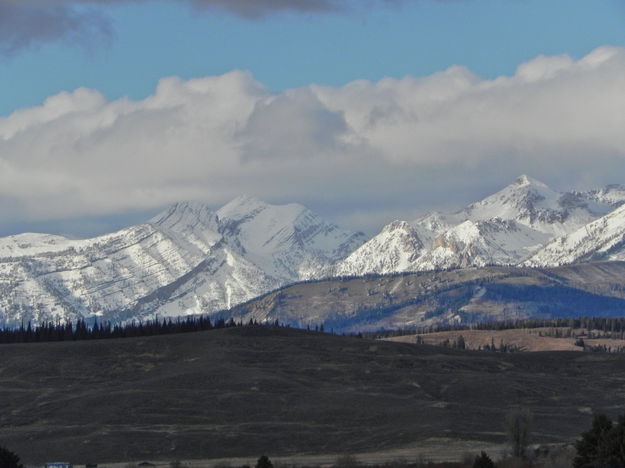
point(396, 248)
point(504, 229)
point(600, 240)
point(288, 242)
point(188, 259)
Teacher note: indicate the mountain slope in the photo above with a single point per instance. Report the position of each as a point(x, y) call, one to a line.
point(602, 239)
point(288, 242)
point(400, 244)
point(504, 228)
point(100, 276)
point(186, 260)
point(444, 297)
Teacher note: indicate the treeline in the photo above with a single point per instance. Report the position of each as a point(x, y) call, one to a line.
point(80, 330)
point(460, 343)
point(596, 327)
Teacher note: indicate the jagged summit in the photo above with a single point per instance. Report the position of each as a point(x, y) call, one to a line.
point(398, 224)
point(524, 180)
point(526, 200)
point(613, 195)
point(504, 228)
point(396, 248)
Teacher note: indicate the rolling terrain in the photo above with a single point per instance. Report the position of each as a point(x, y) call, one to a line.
point(241, 392)
point(413, 300)
point(521, 339)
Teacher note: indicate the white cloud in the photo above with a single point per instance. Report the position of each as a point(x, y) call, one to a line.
point(291, 125)
point(395, 145)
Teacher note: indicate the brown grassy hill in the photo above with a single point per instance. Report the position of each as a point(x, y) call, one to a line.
point(523, 339)
point(247, 391)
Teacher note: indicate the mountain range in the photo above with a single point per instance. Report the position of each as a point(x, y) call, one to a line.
point(507, 228)
point(191, 259)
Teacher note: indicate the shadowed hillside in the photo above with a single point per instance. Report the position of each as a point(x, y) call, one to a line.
point(371, 303)
point(246, 391)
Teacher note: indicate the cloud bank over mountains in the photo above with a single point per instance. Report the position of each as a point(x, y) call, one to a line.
point(379, 147)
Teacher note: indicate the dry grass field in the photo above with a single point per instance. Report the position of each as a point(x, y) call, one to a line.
point(524, 339)
point(242, 392)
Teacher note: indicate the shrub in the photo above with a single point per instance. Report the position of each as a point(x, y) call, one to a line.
point(264, 462)
point(483, 461)
point(518, 422)
point(9, 459)
point(603, 445)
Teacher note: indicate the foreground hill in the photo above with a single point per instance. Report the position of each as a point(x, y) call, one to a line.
point(455, 296)
point(247, 391)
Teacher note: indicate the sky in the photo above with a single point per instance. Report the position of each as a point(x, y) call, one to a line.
point(365, 111)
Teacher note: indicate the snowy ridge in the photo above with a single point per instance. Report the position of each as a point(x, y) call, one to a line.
point(505, 228)
point(289, 242)
point(613, 195)
point(603, 239)
point(99, 276)
point(396, 248)
point(186, 260)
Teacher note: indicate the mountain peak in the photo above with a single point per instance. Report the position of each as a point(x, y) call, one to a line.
point(524, 192)
point(524, 181)
point(398, 224)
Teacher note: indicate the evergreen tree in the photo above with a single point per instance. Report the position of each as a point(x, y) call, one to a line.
point(483, 461)
point(603, 445)
point(618, 442)
point(461, 344)
point(8, 459)
point(264, 462)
